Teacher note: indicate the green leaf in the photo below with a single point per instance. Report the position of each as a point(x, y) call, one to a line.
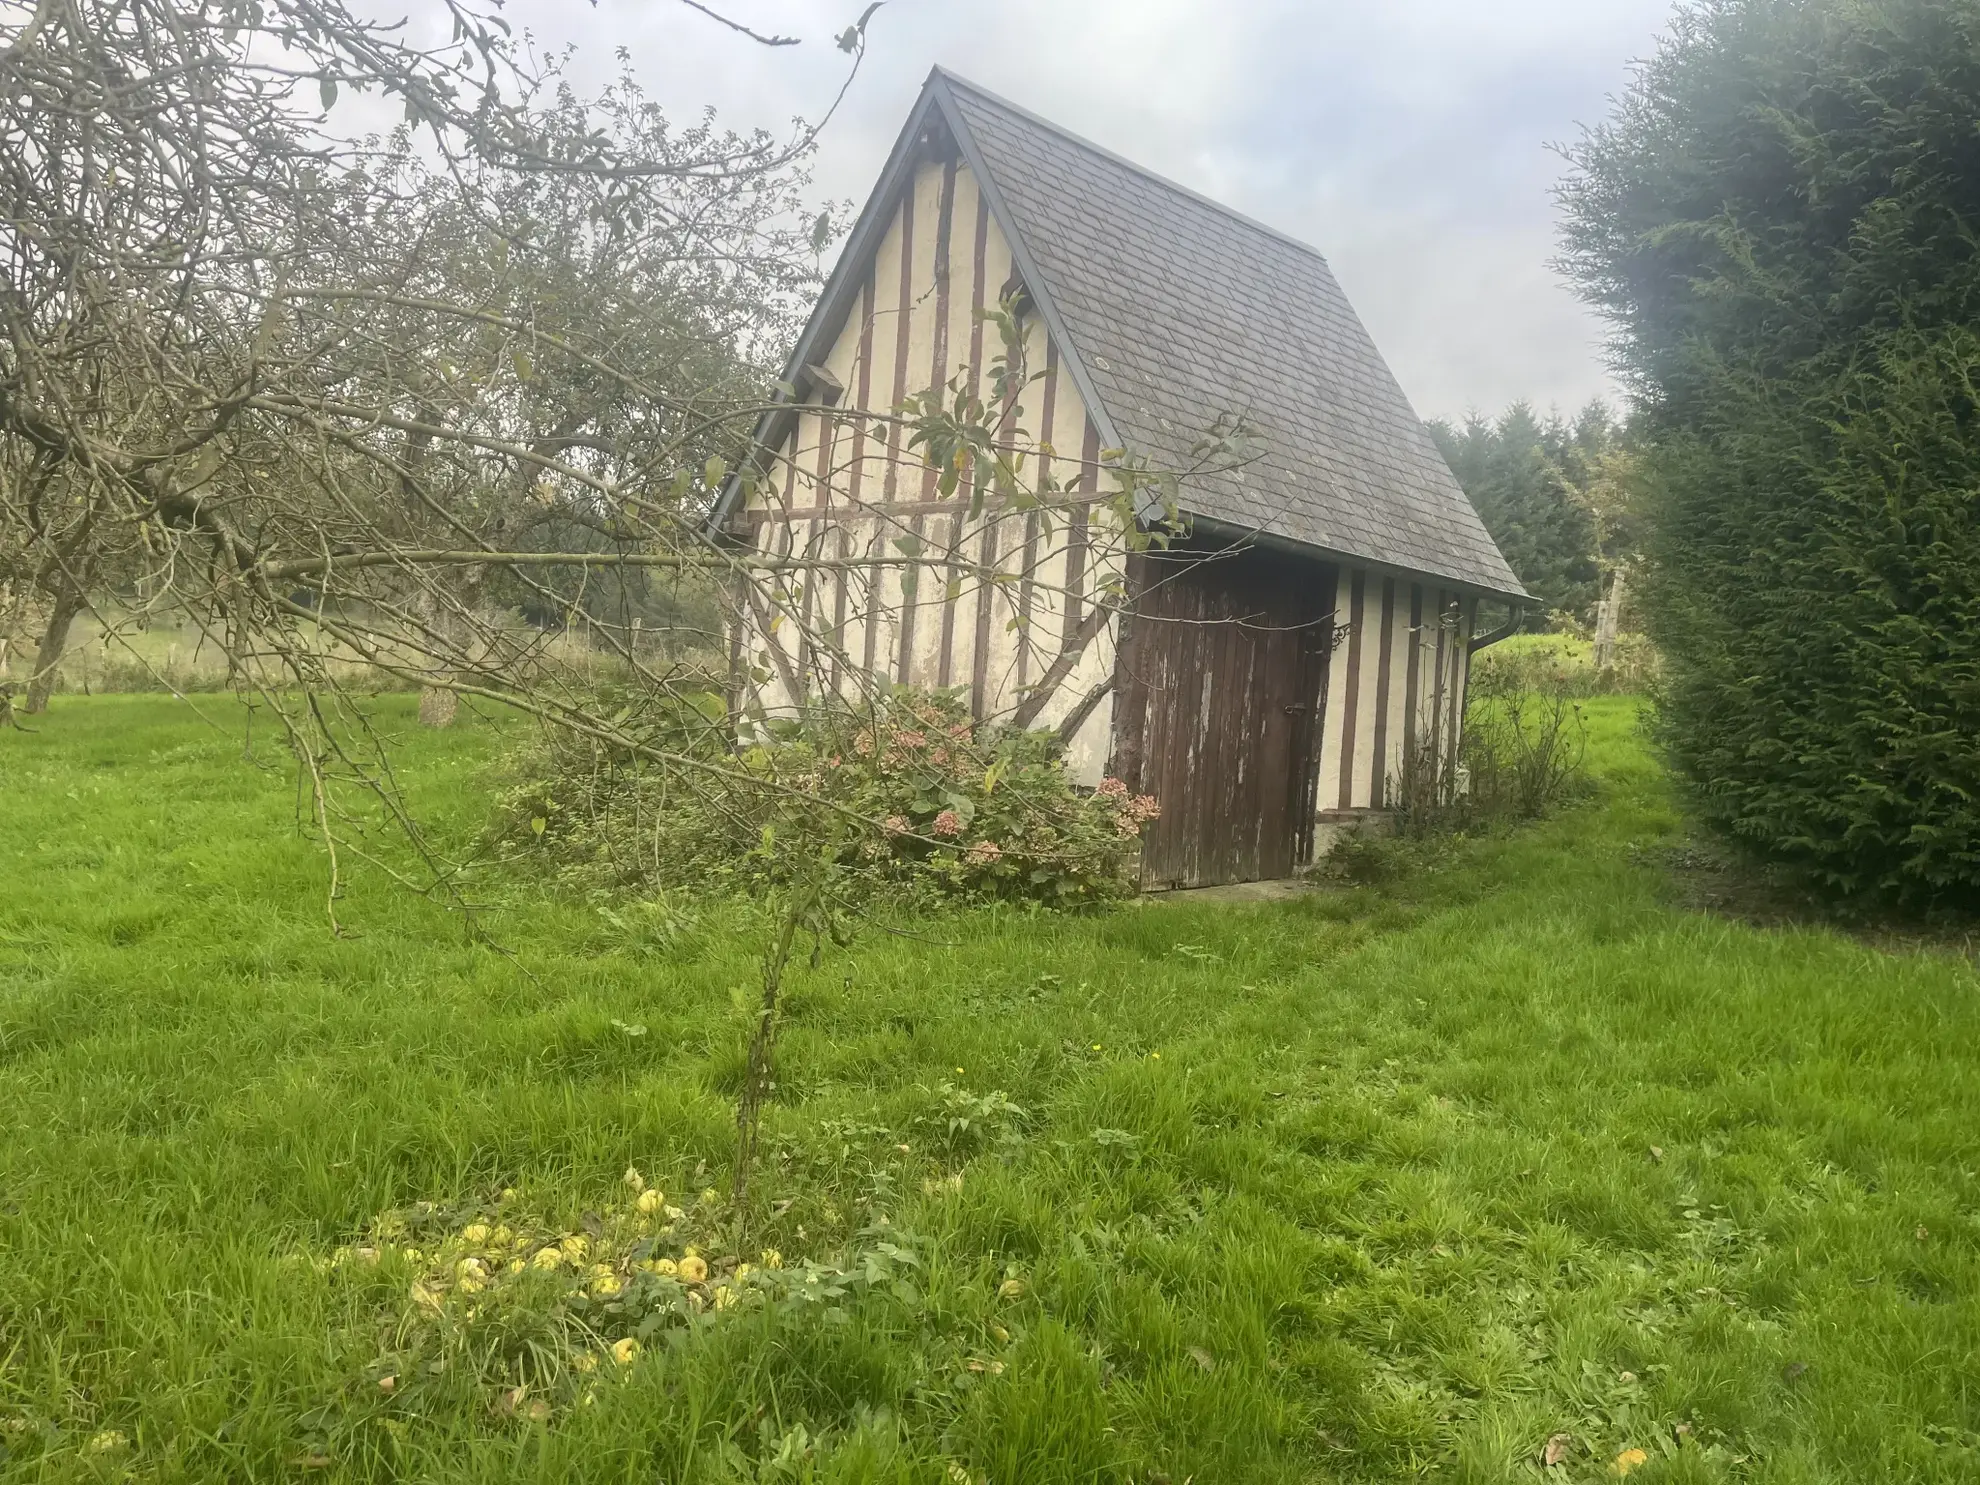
point(714, 470)
point(326, 89)
point(525, 370)
point(538, 825)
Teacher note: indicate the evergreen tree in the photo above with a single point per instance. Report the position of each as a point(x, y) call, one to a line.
point(1528, 480)
point(1782, 220)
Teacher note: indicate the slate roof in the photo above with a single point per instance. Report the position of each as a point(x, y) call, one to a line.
point(1171, 310)
point(1180, 310)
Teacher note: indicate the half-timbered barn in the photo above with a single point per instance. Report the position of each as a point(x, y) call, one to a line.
point(1273, 673)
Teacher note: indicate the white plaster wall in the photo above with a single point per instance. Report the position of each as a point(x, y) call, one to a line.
point(870, 503)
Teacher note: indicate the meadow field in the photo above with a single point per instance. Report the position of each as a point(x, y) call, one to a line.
point(1504, 1163)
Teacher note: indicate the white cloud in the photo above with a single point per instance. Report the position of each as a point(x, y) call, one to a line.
point(1406, 139)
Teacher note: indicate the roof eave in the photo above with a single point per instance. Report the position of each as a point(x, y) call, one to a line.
point(1235, 533)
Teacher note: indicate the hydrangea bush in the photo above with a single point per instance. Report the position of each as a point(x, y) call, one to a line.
point(908, 792)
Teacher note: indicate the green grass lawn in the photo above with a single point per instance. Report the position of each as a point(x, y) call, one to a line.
point(1390, 1183)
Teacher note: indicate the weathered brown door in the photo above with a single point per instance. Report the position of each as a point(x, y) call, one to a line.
point(1220, 706)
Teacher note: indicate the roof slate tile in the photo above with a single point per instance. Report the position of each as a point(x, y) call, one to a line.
point(1182, 311)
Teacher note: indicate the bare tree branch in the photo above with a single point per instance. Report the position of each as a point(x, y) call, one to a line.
point(739, 27)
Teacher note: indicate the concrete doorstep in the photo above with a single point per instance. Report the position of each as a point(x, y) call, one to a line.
point(1283, 890)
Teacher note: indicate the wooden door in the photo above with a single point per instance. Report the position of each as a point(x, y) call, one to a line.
point(1220, 707)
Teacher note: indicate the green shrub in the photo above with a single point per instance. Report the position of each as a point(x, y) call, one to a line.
point(1779, 218)
point(1821, 600)
point(906, 794)
point(1523, 755)
point(1525, 749)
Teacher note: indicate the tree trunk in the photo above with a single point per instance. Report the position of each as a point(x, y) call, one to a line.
point(54, 640)
point(438, 705)
point(1041, 694)
point(1608, 615)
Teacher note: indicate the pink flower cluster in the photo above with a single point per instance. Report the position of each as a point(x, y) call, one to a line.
point(1135, 810)
point(984, 853)
point(895, 748)
point(948, 823)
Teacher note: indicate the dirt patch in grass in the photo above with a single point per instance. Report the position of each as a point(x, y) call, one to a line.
point(1712, 879)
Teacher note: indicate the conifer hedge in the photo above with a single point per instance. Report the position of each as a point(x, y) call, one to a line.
point(1782, 219)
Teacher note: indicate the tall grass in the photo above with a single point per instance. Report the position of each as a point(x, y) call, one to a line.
point(1566, 663)
point(1373, 1185)
point(115, 651)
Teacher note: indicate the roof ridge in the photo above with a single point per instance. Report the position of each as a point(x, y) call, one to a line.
point(957, 80)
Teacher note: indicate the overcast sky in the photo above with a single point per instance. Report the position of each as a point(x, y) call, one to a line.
point(1406, 139)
